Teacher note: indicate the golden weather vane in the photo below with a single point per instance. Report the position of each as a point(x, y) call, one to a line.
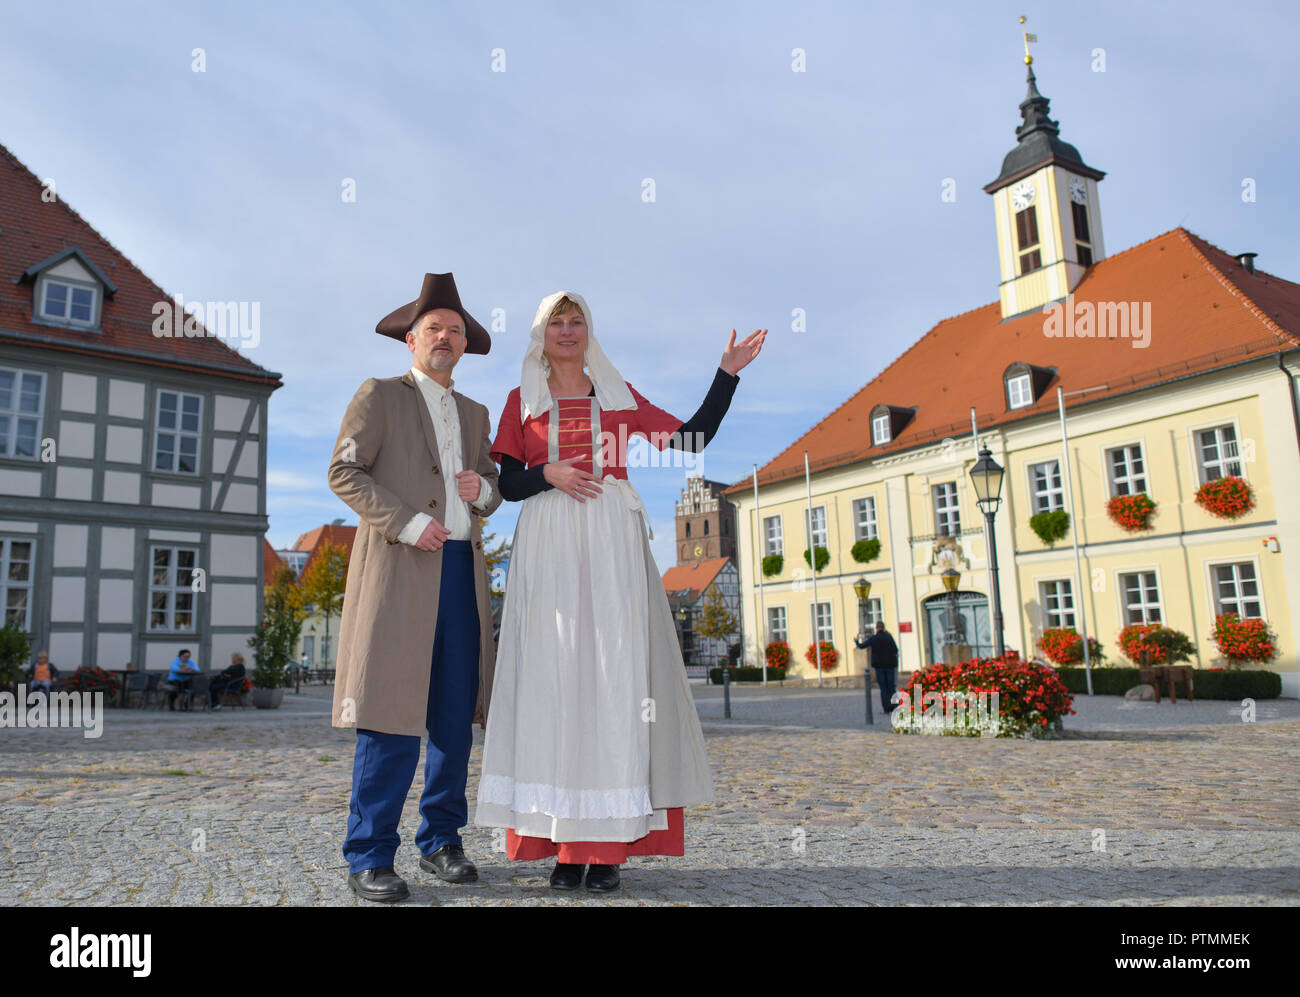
point(1029, 59)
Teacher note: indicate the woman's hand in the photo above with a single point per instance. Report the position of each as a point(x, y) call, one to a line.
point(571, 480)
point(737, 355)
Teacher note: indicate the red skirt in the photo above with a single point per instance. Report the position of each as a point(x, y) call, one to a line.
point(670, 841)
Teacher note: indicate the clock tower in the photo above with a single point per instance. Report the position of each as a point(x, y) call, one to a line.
point(1045, 203)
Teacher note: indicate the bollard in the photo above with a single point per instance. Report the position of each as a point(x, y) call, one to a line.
point(726, 693)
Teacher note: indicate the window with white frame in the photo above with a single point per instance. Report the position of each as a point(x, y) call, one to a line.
point(177, 432)
point(947, 522)
point(824, 624)
point(1216, 450)
point(16, 581)
point(819, 527)
point(1057, 600)
point(22, 409)
point(1045, 483)
point(1141, 597)
point(873, 613)
point(776, 625)
point(1127, 470)
point(1236, 590)
point(67, 302)
point(171, 595)
point(1019, 391)
point(773, 543)
point(864, 519)
point(880, 429)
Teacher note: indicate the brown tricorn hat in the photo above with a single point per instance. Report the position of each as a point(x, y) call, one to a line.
point(439, 291)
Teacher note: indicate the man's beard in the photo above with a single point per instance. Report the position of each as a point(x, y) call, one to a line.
point(442, 360)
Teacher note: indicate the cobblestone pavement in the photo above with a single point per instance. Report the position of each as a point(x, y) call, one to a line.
point(248, 807)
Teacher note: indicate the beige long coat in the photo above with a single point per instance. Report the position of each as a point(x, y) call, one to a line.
point(386, 468)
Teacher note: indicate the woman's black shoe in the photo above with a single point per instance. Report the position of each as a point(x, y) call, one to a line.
point(566, 877)
point(602, 878)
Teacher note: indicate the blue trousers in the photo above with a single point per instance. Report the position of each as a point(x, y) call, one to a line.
point(887, 679)
point(384, 766)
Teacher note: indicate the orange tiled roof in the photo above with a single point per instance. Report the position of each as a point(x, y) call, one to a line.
point(697, 577)
point(271, 562)
point(313, 540)
point(33, 229)
point(1207, 312)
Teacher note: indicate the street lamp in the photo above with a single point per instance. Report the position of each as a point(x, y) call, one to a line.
point(862, 588)
point(987, 476)
point(951, 579)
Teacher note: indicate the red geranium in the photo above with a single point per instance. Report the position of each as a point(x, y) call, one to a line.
point(778, 654)
point(1226, 498)
point(1064, 646)
point(830, 656)
point(1132, 512)
point(1241, 640)
point(1030, 695)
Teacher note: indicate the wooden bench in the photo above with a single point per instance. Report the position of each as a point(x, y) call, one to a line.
point(1152, 675)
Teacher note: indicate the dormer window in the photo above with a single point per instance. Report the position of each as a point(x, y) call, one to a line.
point(68, 290)
point(1019, 391)
point(1024, 383)
point(880, 429)
point(887, 421)
point(70, 304)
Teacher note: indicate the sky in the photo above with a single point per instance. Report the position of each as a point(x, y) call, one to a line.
point(797, 154)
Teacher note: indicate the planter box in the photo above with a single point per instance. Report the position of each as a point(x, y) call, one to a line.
point(268, 699)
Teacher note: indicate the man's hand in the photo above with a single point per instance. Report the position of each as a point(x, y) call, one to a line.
point(433, 537)
point(467, 486)
point(573, 481)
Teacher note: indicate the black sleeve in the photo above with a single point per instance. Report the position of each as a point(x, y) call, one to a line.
point(696, 432)
point(517, 482)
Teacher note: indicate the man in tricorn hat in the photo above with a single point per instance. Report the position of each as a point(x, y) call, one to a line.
point(415, 654)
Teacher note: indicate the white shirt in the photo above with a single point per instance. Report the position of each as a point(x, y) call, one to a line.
point(446, 427)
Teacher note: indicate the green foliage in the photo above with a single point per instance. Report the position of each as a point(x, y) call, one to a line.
point(747, 673)
point(276, 636)
point(823, 558)
point(772, 565)
point(715, 621)
point(1207, 683)
point(15, 650)
point(865, 551)
point(1050, 526)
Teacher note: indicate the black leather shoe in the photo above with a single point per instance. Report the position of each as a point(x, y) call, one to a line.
point(602, 878)
point(566, 877)
point(449, 864)
point(381, 885)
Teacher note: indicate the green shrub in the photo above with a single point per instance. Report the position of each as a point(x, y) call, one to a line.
point(747, 673)
point(1050, 526)
point(865, 551)
point(772, 564)
point(1206, 683)
point(823, 558)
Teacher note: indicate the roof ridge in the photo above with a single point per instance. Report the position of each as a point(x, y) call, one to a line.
point(1232, 288)
point(59, 198)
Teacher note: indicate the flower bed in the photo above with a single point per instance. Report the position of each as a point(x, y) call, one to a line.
point(983, 697)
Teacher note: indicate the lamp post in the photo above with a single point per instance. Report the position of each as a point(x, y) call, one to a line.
point(862, 588)
point(951, 579)
point(987, 476)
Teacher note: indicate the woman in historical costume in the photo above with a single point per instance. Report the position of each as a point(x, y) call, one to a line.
point(593, 746)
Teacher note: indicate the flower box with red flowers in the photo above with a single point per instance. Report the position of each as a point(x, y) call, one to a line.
point(778, 654)
point(829, 656)
point(1227, 498)
point(1242, 641)
point(1064, 646)
point(1132, 512)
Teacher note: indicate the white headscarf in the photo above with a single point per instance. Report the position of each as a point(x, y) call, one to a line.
point(611, 390)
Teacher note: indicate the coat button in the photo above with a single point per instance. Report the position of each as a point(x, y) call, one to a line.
point(387, 541)
point(478, 544)
point(435, 469)
point(433, 503)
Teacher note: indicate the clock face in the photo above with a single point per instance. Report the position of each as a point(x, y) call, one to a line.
point(1022, 194)
point(699, 551)
point(1078, 191)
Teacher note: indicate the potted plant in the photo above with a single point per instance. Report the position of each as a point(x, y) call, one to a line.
point(772, 565)
point(865, 551)
point(823, 558)
point(1050, 526)
point(1227, 498)
point(1242, 641)
point(274, 640)
point(829, 656)
point(1132, 512)
point(1154, 644)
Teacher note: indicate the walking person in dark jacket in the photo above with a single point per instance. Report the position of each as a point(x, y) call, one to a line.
point(884, 659)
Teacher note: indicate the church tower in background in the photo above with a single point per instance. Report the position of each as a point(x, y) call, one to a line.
point(706, 522)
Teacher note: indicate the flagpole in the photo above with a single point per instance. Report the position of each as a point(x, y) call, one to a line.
point(812, 563)
point(1074, 538)
point(758, 566)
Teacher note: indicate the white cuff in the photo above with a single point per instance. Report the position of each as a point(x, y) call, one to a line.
point(412, 530)
point(484, 492)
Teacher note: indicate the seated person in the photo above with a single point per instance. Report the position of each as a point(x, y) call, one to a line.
point(227, 680)
point(41, 675)
point(179, 677)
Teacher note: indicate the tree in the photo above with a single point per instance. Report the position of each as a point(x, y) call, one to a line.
point(716, 621)
point(15, 649)
point(323, 582)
